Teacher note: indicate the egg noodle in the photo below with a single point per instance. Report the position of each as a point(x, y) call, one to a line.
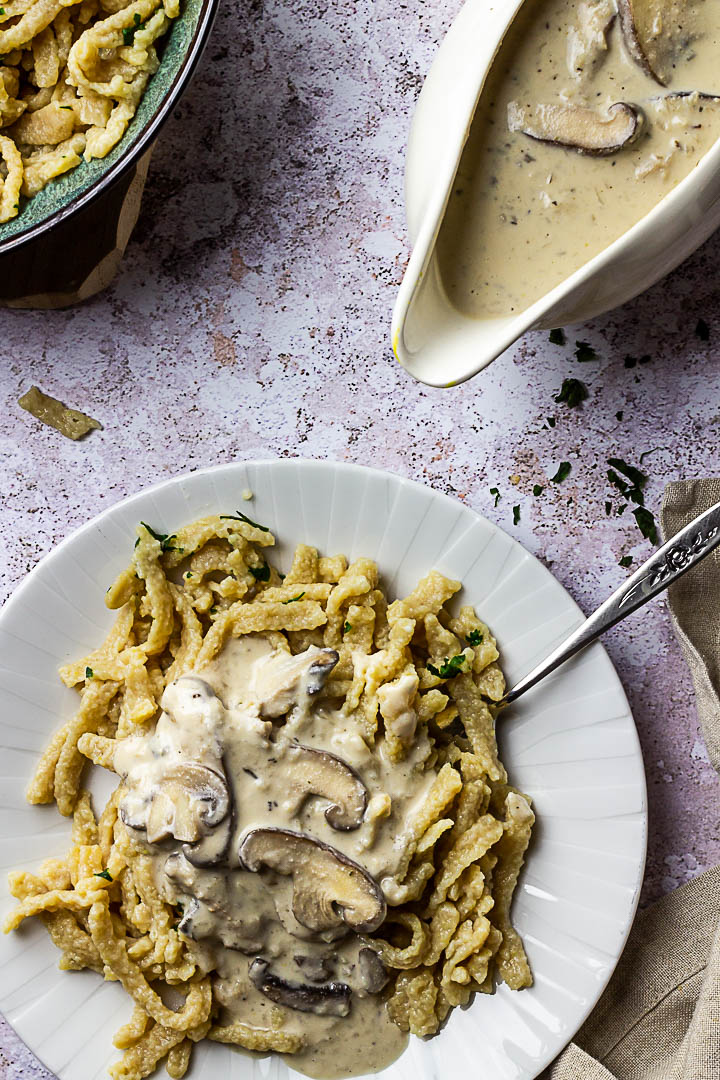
point(72, 73)
point(448, 931)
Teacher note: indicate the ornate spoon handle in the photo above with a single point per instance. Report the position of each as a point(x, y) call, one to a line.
point(666, 565)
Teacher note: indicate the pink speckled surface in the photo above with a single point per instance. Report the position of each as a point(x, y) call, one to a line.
point(251, 319)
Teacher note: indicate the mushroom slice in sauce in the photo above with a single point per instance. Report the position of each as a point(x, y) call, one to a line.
point(332, 999)
point(211, 849)
point(656, 34)
point(318, 772)
point(189, 801)
point(372, 971)
point(315, 968)
point(577, 128)
point(328, 888)
point(279, 680)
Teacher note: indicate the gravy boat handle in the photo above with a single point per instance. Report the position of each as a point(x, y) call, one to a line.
point(666, 565)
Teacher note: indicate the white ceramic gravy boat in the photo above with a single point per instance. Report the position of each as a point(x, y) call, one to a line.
point(435, 342)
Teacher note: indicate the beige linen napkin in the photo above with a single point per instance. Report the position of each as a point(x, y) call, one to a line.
point(659, 1018)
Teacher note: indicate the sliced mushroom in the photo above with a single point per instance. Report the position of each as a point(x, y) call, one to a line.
point(371, 971)
point(587, 45)
point(577, 128)
point(280, 680)
point(328, 888)
point(316, 969)
point(190, 801)
point(211, 849)
point(318, 772)
point(332, 999)
point(657, 33)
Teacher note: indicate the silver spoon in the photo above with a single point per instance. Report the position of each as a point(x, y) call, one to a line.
point(666, 565)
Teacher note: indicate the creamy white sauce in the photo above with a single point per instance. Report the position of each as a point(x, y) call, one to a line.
point(524, 214)
point(242, 722)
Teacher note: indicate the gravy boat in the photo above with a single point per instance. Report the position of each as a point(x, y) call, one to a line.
point(435, 342)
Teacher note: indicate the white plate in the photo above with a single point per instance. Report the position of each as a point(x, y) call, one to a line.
point(571, 744)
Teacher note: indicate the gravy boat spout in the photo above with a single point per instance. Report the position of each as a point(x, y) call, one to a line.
point(434, 341)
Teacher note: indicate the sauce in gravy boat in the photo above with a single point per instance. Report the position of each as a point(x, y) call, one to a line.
point(563, 157)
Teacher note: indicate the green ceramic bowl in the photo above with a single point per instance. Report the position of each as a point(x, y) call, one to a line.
point(74, 190)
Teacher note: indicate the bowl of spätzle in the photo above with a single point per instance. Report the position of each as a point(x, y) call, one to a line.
point(84, 87)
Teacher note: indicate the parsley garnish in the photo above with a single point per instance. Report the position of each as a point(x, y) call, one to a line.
point(608, 508)
point(625, 561)
point(163, 539)
point(188, 574)
point(474, 638)
point(637, 478)
point(346, 627)
point(294, 598)
point(646, 523)
point(104, 874)
point(572, 393)
point(496, 493)
point(564, 469)
point(584, 352)
point(702, 330)
point(260, 573)
point(66, 107)
point(550, 420)
point(2, 12)
point(88, 673)
point(128, 34)
point(538, 489)
point(619, 415)
point(239, 516)
point(557, 336)
point(516, 514)
point(449, 668)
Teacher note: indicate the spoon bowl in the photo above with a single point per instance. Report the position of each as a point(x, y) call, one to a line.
point(435, 342)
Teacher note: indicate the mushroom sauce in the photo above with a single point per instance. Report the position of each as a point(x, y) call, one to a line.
point(279, 835)
point(592, 112)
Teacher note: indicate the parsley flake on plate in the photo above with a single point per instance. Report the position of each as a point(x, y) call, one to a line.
point(449, 668)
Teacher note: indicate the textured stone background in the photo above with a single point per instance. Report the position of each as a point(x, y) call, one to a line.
point(251, 318)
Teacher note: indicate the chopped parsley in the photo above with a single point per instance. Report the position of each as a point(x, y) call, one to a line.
point(619, 415)
point(294, 598)
point(564, 469)
point(66, 107)
point(494, 491)
point(646, 523)
point(572, 393)
point(2, 10)
point(584, 352)
point(89, 673)
point(104, 874)
point(538, 489)
point(128, 34)
point(557, 336)
point(551, 421)
point(260, 573)
point(188, 573)
point(163, 539)
point(632, 361)
point(631, 483)
point(239, 516)
point(474, 637)
point(347, 627)
point(702, 330)
point(608, 508)
point(449, 668)
point(625, 561)
point(516, 514)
